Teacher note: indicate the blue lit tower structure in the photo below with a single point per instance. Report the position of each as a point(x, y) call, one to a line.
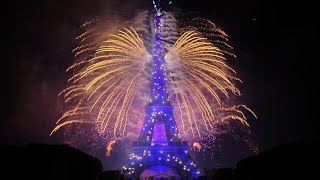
point(159, 147)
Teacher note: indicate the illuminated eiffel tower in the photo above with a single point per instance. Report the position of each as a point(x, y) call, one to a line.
point(159, 151)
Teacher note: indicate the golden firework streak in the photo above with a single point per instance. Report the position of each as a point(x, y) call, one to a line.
point(103, 87)
point(202, 71)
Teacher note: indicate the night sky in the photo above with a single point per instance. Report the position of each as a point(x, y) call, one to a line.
point(275, 45)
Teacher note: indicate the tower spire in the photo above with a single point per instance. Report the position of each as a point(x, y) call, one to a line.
point(159, 95)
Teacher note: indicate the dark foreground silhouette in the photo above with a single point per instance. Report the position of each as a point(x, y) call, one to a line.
point(285, 162)
point(40, 161)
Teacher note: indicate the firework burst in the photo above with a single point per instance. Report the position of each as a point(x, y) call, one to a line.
point(103, 90)
point(110, 84)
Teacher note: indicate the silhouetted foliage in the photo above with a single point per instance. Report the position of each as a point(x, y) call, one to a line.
point(286, 161)
point(41, 161)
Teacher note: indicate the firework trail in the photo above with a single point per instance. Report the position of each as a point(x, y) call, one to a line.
point(109, 147)
point(110, 85)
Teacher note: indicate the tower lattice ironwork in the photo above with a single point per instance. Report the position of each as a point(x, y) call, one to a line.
point(159, 142)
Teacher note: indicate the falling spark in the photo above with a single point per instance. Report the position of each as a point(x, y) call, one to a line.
point(197, 146)
point(109, 147)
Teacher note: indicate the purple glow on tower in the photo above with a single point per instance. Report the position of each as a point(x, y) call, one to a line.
point(159, 91)
point(159, 142)
point(159, 135)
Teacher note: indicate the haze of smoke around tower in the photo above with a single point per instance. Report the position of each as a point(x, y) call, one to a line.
point(110, 82)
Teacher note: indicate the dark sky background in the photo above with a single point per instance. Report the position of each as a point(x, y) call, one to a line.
point(275, 44)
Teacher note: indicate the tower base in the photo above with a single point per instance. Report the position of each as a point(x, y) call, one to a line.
point(172, 161)
point(159, 173)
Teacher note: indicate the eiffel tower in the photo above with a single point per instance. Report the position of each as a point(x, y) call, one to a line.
point(160, 151)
